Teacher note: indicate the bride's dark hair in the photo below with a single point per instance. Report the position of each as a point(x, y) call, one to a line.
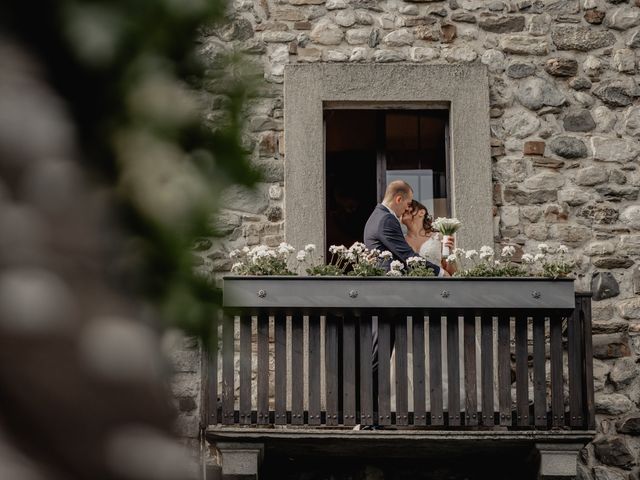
point(416, 206)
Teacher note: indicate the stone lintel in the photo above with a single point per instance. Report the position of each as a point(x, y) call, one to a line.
point(558, 460)
point(240, 459)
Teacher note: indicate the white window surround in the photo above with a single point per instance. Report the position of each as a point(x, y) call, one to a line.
point(308, 89)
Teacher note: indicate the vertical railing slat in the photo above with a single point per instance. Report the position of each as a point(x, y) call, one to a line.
point(522, 372)
point(331, 368)
point(314, 369)
point(574, 350)
point(453, 368)
point(212, 373)
point(470, 383)
point(539, 375)
point(486, 362)
point(590, 409)
point(402, 403)
point(383, 366)
point(435, 368)
point(504, 369)
point(245, 369)
point(366, 375)
point(228, 382)
point(349, 370)
point(419, 405)
point(297, 369)
point(263, 368)
point(557, 388)
point(280, 353)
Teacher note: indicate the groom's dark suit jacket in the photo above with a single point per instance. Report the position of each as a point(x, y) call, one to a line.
point(383, 231)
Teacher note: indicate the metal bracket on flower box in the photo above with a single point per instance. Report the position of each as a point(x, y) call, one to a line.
point(382, 292)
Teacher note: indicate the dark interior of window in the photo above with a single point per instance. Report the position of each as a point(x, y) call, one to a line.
point(366, 149)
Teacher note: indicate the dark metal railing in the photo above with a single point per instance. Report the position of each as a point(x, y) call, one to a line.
point(484, 368)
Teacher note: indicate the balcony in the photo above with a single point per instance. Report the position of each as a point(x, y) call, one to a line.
point(303, 360)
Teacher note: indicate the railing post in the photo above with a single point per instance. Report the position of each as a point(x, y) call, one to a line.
point(211, 377)
point(583, 301)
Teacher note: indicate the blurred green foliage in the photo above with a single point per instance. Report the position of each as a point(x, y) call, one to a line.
point(135, 86)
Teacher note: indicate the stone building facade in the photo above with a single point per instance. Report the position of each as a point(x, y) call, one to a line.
point(564, 117)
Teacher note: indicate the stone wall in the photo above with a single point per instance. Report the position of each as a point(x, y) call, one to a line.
point(565, 125)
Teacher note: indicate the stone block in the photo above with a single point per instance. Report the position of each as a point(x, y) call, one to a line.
point(613, 451)
point(613, 403)
point(604, 285)
point(613, 345)
point(534, 147)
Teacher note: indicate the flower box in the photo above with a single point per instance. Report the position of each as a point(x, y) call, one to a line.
point(403, 292)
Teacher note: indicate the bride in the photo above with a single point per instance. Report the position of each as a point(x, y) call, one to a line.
point(422, 238)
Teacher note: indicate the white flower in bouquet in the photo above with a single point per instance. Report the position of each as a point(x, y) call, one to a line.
point(310, 248)
point(447, 227)
point(234, 253)
point(358, 247)
point(394, 273)
point(415, 261)
point(302, 256)
point(337, 249)
point(245, 250)
point(538, 257)
point(236, 267)
point(452, 258)
point(397, 265)
point(563, 249)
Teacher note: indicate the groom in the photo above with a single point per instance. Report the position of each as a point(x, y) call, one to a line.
point(383, 230)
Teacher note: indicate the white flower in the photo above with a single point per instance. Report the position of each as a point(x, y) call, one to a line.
point(236, 267)
point(446, 226)
point(386, 255)
point(394, 273)
point(452, 258)
point(527, 258)
point(397, 265)
point(245, 249)
point(310, 248)
point(486, 252)
point(508, 251)
point(415, 261)
point(538, 257)
point(337, 249)
point(543, 247)
point(302, 256)
point(283, 250)
point(563, 249)
point(458, 251)
point(471, 254)
point(234, 253)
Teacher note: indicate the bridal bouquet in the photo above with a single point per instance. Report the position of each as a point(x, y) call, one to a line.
point(447, 227)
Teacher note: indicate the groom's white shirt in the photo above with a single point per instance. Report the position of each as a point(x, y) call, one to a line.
point(441, 272)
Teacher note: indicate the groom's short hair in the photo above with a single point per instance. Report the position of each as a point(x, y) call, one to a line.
point(395, 188)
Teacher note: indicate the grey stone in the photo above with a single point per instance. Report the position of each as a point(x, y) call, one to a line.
point(573, 196)
point(634, 41)
point(617, 93)
point(536, 93)
point(624, 60)
point(604, 285)
point(545, 180)
point(570, 234)
point(613, 404)
point(568, 147)
point(590, 176)
point(599, 214)
point(606, 473)
point(399, 38)
point(561, 67)
point(501, 24)
point(540, 25)
point(623, 18)
point(605, 119)
point(520, 70)
point(614, 345)
point(494, 60)
point(387, 56)
point(260, 123)
point(520, 124)
point(462, 54)
point(630, 425)
point(613, 262)
point(600, 373)
point(463, 17)
point(514, 194)
point(358, 36)
point(629, 244)
point(519, 44)
point(278, 36)
point(345, 18)
point(580, 83)
point(510, 170)
point(240, 29)
point(617, 176)
point(632, 121)
point(420, 54)
point(614, 149)
point(334, 56)
point(579, 38)
point(374, 38)
point(615, 193)
point(613, 451)
point(272, 170)
point(336, 4)
point(372, 5)
point(624, 371)
point(629, 309)
point(579, 121)
point(242, 199)
point(326, 33)
point(363, 17)
point(274, 214)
